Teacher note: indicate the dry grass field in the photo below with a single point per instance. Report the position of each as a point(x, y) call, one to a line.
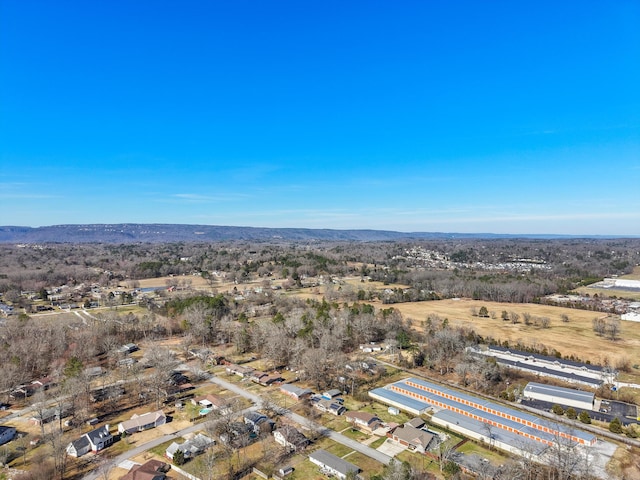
point(575, 337)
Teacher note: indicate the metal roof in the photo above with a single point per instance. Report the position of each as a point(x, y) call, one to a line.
point(549, 359)
point(336, 463)
point(398, 400)
point(574, 377)
point(518, 419)
point(560, 392)
point(498, 434)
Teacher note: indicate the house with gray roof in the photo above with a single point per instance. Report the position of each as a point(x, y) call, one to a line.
point(191, 447)
point(294, 392)
point(139, 423)
point(6, 434)
point(331, 465)
point(94, 441)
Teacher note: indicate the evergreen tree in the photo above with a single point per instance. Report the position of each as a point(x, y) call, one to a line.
point(584, 417)
point(615, 426)
point(178, 458)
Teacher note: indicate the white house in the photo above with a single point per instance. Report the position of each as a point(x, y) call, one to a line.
point(94, 441)
point(290, 438)
point(190, 448)
point(332, 465)
point(138, 423)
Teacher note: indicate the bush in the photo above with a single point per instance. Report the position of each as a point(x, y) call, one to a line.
point(571, 413)
point(631, 432)
point(557, 409)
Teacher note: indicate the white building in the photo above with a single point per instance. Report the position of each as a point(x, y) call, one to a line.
point(568, 397)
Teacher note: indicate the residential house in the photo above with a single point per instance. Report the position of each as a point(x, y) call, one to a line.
point(23, 391)
point(50, 414)
point(331, 394)
point(191, 447)
point(237, 435)
point(332, 465)
point(372, 347)
point(151, 470)
point(201, 353)
point(294, 392)
point(330, 406)
point(270, 379)
point(212, 401)
point(44, 383)
point(259, 422)
point(94, 371)
point(128, 348)
point(411, 437)
point(126, 362)
point(239, 370)
point(110, 392)
point(6, 434)
point(290, 438)
point(94, 441)
point(138, 423)
point(264, 378)
point(365, 421)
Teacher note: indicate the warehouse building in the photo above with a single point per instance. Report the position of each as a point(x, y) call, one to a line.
point(568, 397)
point(477, 417)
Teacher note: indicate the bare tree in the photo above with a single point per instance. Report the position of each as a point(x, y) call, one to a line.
point(58, 447)
point(612, 327)
point(163, 362)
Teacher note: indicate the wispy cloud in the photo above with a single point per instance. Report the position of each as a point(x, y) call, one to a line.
point(199, 198)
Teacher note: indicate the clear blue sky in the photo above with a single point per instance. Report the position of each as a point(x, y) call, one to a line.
point(505, 117)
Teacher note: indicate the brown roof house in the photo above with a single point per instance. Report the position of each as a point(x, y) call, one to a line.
point(411, 437)
point(151, 470)
point(363, 420)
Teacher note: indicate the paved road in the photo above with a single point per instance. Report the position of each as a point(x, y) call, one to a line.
point(144, 447)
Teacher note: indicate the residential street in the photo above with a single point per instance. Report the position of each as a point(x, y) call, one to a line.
point(256, 399)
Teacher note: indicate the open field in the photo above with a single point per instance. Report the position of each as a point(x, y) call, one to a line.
point(575, 337)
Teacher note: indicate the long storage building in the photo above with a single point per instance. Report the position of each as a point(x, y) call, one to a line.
point(567, 397)
point(477, 417)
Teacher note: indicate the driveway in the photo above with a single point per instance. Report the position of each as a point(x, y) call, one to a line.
point(391, 448)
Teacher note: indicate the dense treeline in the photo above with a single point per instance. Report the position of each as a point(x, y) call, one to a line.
point(501, 270)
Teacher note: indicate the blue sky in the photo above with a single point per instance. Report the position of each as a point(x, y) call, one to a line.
point(504, 117)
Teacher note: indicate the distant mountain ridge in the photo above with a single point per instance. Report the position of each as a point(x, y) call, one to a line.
point(163, 233)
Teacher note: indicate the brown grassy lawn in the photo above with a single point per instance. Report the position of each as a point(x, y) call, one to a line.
point(573, 338)
point(625, 464)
